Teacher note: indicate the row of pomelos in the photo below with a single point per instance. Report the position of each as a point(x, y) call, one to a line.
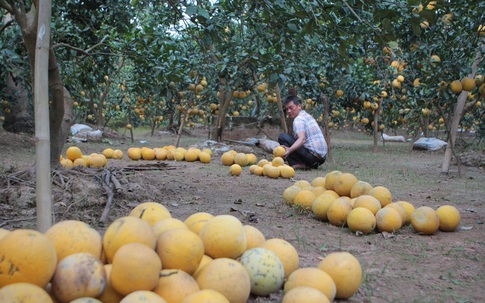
point(149, 256)
point(75, 157)
point(343, 200)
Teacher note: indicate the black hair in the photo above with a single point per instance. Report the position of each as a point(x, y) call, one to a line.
point(292, 98)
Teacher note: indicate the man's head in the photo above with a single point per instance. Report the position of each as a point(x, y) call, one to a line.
point(292, 106)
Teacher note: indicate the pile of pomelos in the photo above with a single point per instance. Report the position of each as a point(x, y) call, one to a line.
point(343, 200)
point(74, 157)
point(170, 152)
point(150, 256)
point(276, 168)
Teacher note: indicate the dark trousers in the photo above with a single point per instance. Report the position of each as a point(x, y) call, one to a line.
point(300, 156)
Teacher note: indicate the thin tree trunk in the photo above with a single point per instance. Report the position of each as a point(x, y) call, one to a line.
point(41, 105)
point(280, 109)
point(326, 133)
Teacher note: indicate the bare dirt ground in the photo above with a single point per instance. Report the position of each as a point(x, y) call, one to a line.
point(401, 267)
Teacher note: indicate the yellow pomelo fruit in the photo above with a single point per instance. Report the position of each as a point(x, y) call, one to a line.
point(109, 295)
point(227, 158)
point(345, 271)
point(449, 217)
point(344, 183)
point(277, 161)
point(258, 171)
point(388, 220)
point(320, 206)
point(332, 193)
point(312, 277)
point(254, 236)
point(409, 210)
point(331, 179)
point(22, 292)
point(205, 296)
point(266, 272)
point(287, 171)
point(317, 190)
point(425, 220)
point(468, 84)
point(228, 277)
point(135, 266)
point(204, 157)
point(151, 212)
point(361, 220)
point(367, 201)
point(73, 153)
point(279, 151)
point(168, 224)
point(72, 236)
point(205, 259)
point(241, 159)
point(273, 172)
point(303, 184)
point(252, 168)
point(142, 296)
point(3, 232)
point(266, 167)
point(126, 230)
point(79, 162)
point(290, 192)
point(360, 188)
point(235, 170)
point(97, 161)
point(86, 159)
point(108, 153)
point(224, 237)
point(31, 254)
point(78, 275)
point(180, 249)
point(118, 154)
point(179, 155)
point(262, 162)
point(196, 221)
point(252, 159)
point(286, 252)
point(338, 211)
point(174, 285)
point(161, 154)
point(310, 295)
point(67, 164)
point(304, 198)
point(134, 153)
point(381, 193)
point(456, 86)
point(401, 210)
point(192, 155)
point(318, 181)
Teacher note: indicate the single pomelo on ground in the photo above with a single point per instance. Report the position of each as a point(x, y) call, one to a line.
point(175, 284)
point(265, 270)
point(277, 161)
point(401, 210)
point(305, 294)
point(345, 271)
point(227, 158)
point(134, 153)
point(227, 276)
point(262, 162)
point(252, 159)
point(23, 292)
point(26, 256)
point(108, 153)
point(151, 212)
point(79, 162)
point(320, 206)
point(135, 266)
point(344, 183)
point(78, 275)
point(279, 151)
point(180, 249)
point(204, 157)
point(381, 193)
point(126, 230)
point(235, 170)
point(361, 220)
point(425, 220)
point(312, 277)
point(241, 159)
point(388, 220)
point(409, 210)
point(318, 181)
point(331, 178)
point(73, 153)
point(367, 201)
point(449, 217)
point(72, 236)
point(287, 171)
point(304, 199)
point(192, 155)
point(338, 211)
point(273, 171)
point(360, 188)
point(196, 221)
point(205, 296)
point(224, 237)
point(254, 236)
point(286, 252)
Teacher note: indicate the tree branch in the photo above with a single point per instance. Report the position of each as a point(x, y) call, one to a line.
point(85, 52)
point(6, 6)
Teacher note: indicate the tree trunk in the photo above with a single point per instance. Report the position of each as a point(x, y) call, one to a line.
point(280, 109)
point(20, 119)
point(326, 107)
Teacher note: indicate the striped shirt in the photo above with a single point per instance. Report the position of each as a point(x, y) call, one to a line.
point(315, 142)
